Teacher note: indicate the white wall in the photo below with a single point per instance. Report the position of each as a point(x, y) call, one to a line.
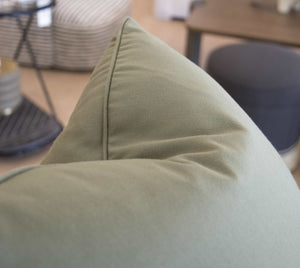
point(167, 9)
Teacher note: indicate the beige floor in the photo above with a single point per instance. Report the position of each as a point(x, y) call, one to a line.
point(66, 87)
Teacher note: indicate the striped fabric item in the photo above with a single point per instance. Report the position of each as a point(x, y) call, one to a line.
point(84, 28)
point(41, 40)
point(79, 34)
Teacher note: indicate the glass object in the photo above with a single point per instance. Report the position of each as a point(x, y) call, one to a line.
point(10, 89)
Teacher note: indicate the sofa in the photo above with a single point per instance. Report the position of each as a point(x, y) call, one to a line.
point(158, 167)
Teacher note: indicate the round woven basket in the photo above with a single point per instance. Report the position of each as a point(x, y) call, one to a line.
point(10, 92)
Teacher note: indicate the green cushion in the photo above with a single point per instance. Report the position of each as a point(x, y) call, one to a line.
point(157, 168)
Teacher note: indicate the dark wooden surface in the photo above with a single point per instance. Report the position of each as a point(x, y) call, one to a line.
point(238, 18)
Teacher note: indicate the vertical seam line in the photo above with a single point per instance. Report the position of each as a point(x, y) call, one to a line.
point(107, 91)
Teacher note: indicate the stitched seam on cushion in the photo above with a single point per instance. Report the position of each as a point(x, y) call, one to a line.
point(15, 173)
point(107, 91)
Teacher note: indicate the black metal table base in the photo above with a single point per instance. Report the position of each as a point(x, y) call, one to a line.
point(28, 129)
point(24, 40)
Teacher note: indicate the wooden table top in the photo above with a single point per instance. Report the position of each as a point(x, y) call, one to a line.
point(238, 18)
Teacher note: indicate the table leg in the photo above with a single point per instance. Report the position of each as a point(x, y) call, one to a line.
point(193, 46)
point(28, 128)
point(23, 39)
point(24, 31)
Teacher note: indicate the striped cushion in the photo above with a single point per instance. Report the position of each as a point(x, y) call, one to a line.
point(41, 40)
point(84, 28)
point(80, 32)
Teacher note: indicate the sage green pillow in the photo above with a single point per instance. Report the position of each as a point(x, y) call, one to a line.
point(157, 168)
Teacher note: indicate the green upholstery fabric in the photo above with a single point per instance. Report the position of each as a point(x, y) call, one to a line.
point(157, 168)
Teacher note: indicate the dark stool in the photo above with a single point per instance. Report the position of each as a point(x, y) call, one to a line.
point(264, 79)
